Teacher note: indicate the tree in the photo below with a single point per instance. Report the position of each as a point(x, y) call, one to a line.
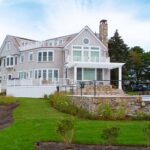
point(65, 128)
point(146, 74)
point(118, 52)
point(136, 62)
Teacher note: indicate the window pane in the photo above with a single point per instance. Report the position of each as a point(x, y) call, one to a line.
point(39, 74)
point(4, 62)
point(7, 61)
point(44, 74)
point(50, 75)
point(15, 60)
point(55, 75)
point(89, 74)
point(50, 56)
point(86, 55)
point(40, 56)
point(44, 56)
point(77, 55)
point(79, 73)
point(99, 74)
point(11, 61)
point(30, 57)
point(95, 56)
point(36, 74)
point(30, 74)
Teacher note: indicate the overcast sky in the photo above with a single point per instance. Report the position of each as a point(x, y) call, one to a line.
point(43, 19)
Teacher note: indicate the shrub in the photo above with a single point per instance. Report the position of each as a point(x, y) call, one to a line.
point(63, 103)
point(65, 128)
point(140, 115)
point(7, 100)
point(146, 131)
point(120, 113)
point(110, 135)
point(105, 111)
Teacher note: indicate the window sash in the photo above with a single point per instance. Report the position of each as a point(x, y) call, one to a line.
point(89, 74)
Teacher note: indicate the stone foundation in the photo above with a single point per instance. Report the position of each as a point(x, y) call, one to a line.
point(133, 104)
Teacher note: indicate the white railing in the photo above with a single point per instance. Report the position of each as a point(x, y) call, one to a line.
point(86, 59)
point(38, 82)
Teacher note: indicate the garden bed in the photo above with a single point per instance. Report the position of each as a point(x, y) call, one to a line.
point(61, 146)
point(6, 114)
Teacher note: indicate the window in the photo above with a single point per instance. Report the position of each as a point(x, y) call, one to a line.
point(50, 75)
point(16, 60)
point(79, 73)
point(44, 74)
point(55, 75)
point(39, 74)
point(99, 74)
point(36, 74)
point(47, 74)
point(86, 55)
point(23, 75)
point(86, 41)
point(30, 57)
point(21, 58)
point(40, 56)
point(45, 56)
point(89, 74)
point(30, 73)
point(76, 55)
point(9, 77)
point(4, 62)
point(95, 56)
point(10, 61)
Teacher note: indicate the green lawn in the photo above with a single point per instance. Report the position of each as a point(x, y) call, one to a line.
point(36, 121)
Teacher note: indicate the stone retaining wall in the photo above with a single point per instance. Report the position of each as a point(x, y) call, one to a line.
point(133, 104)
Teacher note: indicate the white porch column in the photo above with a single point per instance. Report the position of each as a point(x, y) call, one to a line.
point(120, 78)
point(75, 74)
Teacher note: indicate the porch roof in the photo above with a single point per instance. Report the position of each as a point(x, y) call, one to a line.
point(105, 65)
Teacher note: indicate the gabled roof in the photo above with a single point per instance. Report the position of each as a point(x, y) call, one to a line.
point(95, 35)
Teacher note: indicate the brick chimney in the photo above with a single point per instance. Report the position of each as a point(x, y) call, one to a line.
point(103, 32)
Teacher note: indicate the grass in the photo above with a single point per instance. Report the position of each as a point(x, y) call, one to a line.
point(36, 121)
point(7, 100)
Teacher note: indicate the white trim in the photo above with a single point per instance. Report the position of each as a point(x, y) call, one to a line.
point(30, 53)
point(87, 28)
point(47, 56)
point(23, 58)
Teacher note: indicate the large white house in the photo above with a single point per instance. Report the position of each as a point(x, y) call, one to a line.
point(81, 56)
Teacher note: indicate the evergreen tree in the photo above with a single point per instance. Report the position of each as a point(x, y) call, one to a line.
point(118, 52)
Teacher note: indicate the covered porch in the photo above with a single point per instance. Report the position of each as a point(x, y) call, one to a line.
point(94, 71)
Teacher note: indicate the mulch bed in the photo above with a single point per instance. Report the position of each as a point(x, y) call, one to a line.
point(6, 114)
point(61, 146)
